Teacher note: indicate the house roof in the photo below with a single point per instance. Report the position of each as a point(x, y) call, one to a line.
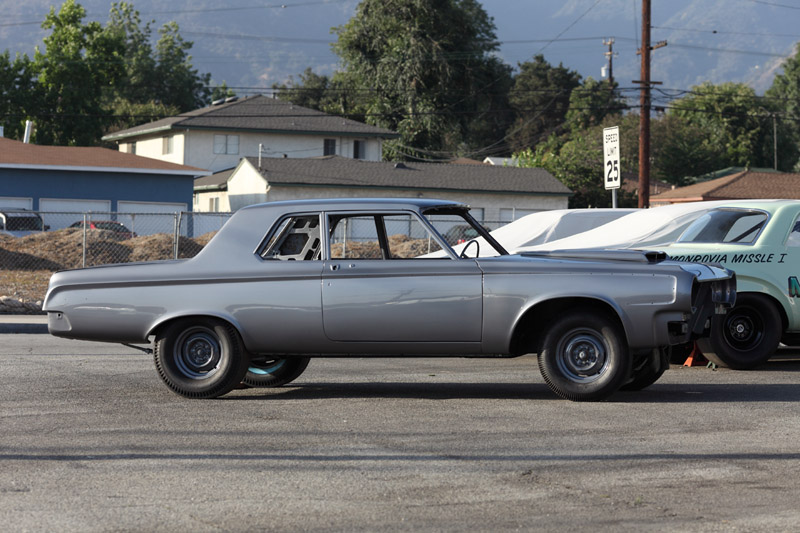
point(748, 184)
point(16, 154)
point(257, 114)
point(337, 171)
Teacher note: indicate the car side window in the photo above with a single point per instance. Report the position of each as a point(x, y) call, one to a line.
point(296, 238)
point(380, 236)
point(794, 236)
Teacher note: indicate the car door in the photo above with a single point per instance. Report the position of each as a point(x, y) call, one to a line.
point(387, 279)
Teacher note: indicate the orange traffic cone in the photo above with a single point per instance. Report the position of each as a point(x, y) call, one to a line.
point(696, 358)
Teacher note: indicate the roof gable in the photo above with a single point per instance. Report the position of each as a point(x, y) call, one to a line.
point(258, 114)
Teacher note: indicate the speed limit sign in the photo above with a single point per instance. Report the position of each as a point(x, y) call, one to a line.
point(611, 157)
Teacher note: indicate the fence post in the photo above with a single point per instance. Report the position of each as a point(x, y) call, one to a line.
point(176, 222)
point(83, 254)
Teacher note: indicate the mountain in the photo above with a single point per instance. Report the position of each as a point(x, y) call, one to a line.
point(250, 46)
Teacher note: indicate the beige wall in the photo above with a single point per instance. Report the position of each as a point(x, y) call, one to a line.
point(196, 148)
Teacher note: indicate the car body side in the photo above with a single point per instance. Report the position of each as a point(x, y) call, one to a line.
point(424, 306)
point(765, 266)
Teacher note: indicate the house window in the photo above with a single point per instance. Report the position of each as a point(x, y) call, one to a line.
point(213, 204)
point(359, 149)
point(166, 145)
point(329, 147)
point(132, 148)
point(226, 144)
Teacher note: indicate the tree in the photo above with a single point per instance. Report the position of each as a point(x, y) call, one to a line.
point(314, 91)
point(680, 150)
point(540, 98)
point(18, 94)
point(733, 119)
point(78, 62)
point(177, 82)
point(590, 103)
point(783, 100)
point(577, 162)
point(222, 91)
point(431, 74)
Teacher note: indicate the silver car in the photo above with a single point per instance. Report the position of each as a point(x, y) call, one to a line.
point(286, 281)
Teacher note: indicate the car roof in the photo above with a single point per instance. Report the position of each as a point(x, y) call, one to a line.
point(358, 203)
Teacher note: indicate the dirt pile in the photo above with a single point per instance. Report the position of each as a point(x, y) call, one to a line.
point(26, 263)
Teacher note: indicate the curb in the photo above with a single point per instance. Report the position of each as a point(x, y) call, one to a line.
point(23, 324)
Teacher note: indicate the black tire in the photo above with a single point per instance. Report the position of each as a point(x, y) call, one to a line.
point(647, 369)
point(746, 336)
point(200, 357)
point(791, 339)
point(274, 372)
point(584, 356)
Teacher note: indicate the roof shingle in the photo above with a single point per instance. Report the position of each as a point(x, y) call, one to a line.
point(16, 153)
point(339, 171)
point(740, 186)
point(258, 114)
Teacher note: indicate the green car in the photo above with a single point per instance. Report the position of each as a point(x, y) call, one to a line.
point(760, 241)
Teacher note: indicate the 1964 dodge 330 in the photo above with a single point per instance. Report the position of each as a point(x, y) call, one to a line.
point(286, 281)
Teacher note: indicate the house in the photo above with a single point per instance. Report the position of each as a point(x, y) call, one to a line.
point(495, 193)
point(747, 184)
point(216, 137)
point(82, 179)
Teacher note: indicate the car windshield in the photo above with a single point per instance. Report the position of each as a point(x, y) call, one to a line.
point(741, 226)
point(461, 230)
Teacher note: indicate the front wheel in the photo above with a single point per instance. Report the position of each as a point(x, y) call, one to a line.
point(274, 372)
point(747, 336)
point(200, 357)
point(584, 356)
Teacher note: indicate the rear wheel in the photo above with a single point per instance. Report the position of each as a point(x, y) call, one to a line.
point(747, 336)
point(200, 357)
point(584, 356)
point(274, 372)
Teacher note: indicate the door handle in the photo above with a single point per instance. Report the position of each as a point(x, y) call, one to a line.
point(334, 267)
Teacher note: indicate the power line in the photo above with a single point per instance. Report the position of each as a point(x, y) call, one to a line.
point(568, 27)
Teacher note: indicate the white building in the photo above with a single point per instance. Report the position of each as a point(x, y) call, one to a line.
point(218, 136)
point(497, 194)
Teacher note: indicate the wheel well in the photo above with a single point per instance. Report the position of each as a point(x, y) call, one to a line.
point(158, 328)
point(530, 328)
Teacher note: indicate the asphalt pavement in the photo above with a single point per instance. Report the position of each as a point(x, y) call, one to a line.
point(92, 440)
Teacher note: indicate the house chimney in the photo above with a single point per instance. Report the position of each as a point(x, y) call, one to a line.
point(28, 130)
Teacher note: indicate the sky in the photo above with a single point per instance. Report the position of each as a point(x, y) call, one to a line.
point(251, 45)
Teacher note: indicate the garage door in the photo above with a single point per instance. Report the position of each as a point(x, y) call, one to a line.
point(16, 203)
point(148, 218)
point(63, 212)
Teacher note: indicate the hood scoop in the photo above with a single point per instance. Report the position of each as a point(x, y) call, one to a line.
point(635, 256)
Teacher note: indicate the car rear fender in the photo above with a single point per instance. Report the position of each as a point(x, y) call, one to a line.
point(166, 320)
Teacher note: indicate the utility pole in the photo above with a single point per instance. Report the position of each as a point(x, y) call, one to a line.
point(774, 142)
point(644, 104)
point(644, 111)
point(610, 56)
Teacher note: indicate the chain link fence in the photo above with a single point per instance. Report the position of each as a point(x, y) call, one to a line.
point(45, 242)
point(31, 250)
